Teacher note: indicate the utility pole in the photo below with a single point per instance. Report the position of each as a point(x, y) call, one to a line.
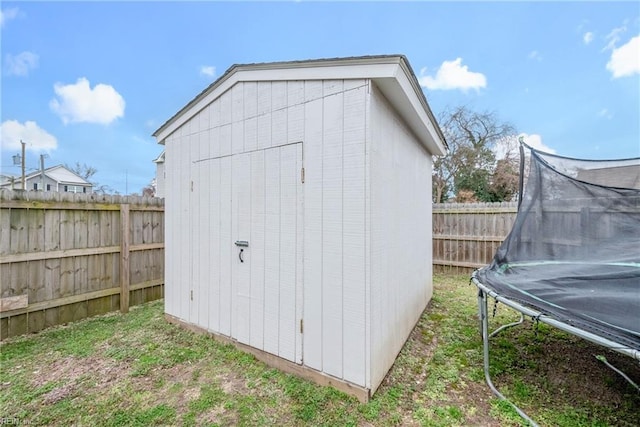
point(24, 182)
point(42, 171)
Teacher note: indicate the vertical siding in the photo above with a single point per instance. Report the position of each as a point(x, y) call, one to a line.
point(264, 115)
point(257, 242)
point(257, 196)
point(313, 134)
point(171, 293)
point(213, 236)
point(299, 257)
point(289, 182)
point(227, 249)
point(334, 236)
point(332, 185)
point(272, 252)
point(184, 228)
point(400, 234)
point(237, 118)
point(354, 245)
point(250, 116)
point(295, 133)
point(241, 229)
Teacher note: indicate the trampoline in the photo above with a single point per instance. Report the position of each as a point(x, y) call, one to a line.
point(572, 258)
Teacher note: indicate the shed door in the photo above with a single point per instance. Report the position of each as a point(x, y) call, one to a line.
point(266, 231)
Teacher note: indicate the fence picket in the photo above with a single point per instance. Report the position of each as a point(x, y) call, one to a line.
point(467, 235)
point(63, 254)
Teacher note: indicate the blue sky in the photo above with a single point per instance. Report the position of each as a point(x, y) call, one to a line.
point(89, 82)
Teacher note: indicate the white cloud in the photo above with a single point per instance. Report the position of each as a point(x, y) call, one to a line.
point(606, 114)
point(535, 55)
point(587, 38)
point(36, 138)
point(625, 60)
point(208, 70)
point(535, 141)
point(453, 75)
point(506, 146)
point(20, 64)
point(614, 37)
point(7, 15)
point(80, 103)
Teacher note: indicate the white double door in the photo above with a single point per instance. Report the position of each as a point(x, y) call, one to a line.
point(248, 223)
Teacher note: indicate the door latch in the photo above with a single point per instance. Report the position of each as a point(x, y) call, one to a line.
point(241, 244)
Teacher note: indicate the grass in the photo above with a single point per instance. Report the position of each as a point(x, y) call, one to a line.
point(138, 370)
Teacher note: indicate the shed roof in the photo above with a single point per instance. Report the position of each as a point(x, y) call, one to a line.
point(391, 73)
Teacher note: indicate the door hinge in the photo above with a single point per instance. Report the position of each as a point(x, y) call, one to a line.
point(302, 175)
point(301, 325)
point(191, 185)
point(191, 294)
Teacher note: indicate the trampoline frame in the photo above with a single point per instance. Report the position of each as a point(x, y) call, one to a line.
point(484, 292)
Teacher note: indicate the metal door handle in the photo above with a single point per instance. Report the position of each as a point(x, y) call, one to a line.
point(240, 255)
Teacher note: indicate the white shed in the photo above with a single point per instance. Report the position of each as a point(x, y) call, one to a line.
point(298, 214)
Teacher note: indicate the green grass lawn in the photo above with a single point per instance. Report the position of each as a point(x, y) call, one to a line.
point(137, 370)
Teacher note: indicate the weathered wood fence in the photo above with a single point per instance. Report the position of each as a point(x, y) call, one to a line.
point(65, 256)
point(467, 235)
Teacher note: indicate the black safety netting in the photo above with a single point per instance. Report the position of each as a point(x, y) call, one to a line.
point(574, 250)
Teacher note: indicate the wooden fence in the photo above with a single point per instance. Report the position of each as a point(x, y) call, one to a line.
point(467, 235)
point(65, 256)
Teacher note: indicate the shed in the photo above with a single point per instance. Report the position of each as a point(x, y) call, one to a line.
point(298, 214)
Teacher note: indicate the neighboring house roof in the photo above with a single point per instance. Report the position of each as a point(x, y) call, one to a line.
point(7, 179)
point(392, 74)
point(617, 176)
point(61, 175)
point(160, 158)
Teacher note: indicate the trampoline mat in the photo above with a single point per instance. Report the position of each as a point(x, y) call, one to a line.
point(602, 299)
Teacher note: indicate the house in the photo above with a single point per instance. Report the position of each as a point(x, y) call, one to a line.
point(160, 175)
point(298, 214)
point(621, 176)
point(56, 178)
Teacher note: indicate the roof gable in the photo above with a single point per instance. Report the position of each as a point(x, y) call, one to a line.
point(61, 175)
point(392, 74)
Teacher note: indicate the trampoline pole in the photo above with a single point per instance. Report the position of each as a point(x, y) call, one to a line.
point(484, 320)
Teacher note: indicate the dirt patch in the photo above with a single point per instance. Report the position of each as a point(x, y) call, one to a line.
point(568, 368)
point(57, 394)
point(231, 383)
point(71, 369)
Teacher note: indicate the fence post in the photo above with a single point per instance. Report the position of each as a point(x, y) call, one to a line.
point(124, 258)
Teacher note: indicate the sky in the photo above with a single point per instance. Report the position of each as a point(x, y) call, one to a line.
point(90, 82)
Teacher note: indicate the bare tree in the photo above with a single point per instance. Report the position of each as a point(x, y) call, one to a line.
point(87, 172)
point(83, 170)
point(471, 161)
point(150, 189)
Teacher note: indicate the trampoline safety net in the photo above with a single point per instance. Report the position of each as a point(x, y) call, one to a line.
point(574, 250)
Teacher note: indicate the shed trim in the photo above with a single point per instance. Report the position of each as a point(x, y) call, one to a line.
point(303, 371)
point(392, 73)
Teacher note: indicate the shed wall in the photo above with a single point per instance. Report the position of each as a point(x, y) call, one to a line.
point(335, 255)
point(401, 252)
point(178, 224)
point(227, 163)
point(330, 119)
point(367, 222)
